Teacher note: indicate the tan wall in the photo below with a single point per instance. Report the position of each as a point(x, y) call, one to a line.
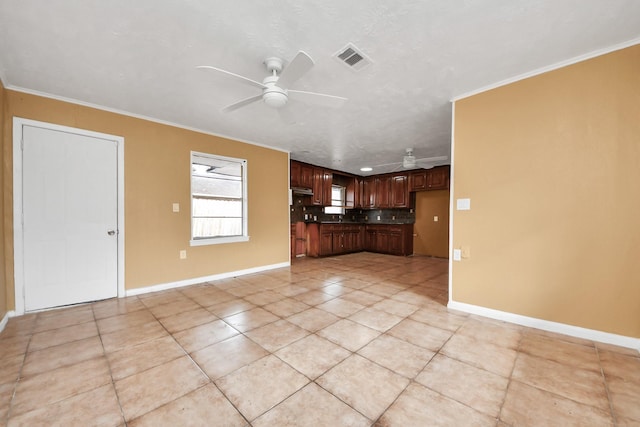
point(157, 174)
point(552, 167)
point(432, 237)
point(3, 270)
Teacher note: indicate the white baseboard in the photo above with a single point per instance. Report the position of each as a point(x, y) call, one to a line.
point(5, 319)
point(196, 280)
point(560, 328)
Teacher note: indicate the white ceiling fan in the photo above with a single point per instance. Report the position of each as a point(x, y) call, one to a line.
point(409, 161)
point(275, 87)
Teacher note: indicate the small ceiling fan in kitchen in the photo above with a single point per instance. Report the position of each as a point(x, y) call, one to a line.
point(409, 161)
point(274, 89)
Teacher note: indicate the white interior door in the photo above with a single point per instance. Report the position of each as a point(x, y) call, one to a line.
point(70, 218)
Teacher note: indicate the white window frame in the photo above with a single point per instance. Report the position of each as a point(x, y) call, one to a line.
point(338, 209)
point(245, 223)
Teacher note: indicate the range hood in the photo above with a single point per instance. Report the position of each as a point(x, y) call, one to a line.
point(300, 191)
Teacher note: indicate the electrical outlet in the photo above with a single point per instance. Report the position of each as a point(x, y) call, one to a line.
point(378, 217)
point(176, 207)
point(183, 254)
point(435, 218)
point(457, 255)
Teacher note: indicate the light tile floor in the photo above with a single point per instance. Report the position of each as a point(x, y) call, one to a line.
point(356, 340)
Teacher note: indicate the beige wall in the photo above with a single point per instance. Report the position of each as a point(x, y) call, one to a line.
point(3, 278)
point(157, 174)
point(432, 238)
point(552, 167)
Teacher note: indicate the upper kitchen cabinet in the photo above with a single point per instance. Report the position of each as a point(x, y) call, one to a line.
point(322, 180)
point(369, 192)
point(294, 171)
point(301, 175)
point(438, 178)
point(432, 179)
point(400, 191)
point(354, 193)
point(383, 191)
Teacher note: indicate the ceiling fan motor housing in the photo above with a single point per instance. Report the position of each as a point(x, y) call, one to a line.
point(274, 96)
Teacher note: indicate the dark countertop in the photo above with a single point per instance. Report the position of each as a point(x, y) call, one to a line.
point(359, 223)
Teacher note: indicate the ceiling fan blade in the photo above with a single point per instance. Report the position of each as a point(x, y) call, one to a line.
point(432, 159)
point(387, 164)
point(240, 104)
point(424, 159)
point(238, 77)
point(317, 98)
point(297, 68)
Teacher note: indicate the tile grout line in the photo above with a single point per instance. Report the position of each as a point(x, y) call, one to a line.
point(19, 377)
point(606, 387)
point(104, 354)
point(513, 368)
point(211, 381)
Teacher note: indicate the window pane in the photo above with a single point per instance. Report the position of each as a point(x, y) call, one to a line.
point(216, 187)
point(207, 227)
point(218, 199)
point(217, 207)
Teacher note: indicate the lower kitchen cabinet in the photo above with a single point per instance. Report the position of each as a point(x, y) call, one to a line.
point(337, 239)
point(393, 239)
point(334, 239)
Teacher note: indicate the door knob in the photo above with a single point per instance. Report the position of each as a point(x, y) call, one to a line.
point(111, 232)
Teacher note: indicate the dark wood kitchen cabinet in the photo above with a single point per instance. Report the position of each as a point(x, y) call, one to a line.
point(369, 192)
point(322, 180)
point(334, 239)
point(393, 239)
point(306, 176)
point(400, 191)
point(301, 174)
point(294, 173)
point(382, 191)
point(438, 178)
point(432, 179)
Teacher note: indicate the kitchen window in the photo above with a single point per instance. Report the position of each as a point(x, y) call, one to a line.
point(218, 199)
point(337, 201)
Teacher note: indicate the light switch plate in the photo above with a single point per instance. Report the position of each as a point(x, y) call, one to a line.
point(176, 207)
point(463, 204)
point(435, 218)
point(457, 255)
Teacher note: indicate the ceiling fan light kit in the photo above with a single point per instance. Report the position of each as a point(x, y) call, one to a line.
point(274, 87)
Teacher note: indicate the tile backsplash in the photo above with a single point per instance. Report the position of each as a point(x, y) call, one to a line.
point(365, 216)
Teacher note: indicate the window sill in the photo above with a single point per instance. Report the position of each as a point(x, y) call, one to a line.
point(218, 240)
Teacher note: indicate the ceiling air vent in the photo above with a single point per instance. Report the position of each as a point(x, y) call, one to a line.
point(352, 57)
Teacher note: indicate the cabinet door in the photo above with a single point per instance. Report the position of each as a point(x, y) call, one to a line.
point(396, 246)
point(370, 240)
point(383, 191)
point(295, 174)
point(353, 194)
point(382, 241)
point(326, 244)
point(306, 176)
point(368, 192)
point(399, 191)
point(418, 180)
point(318, 186)
point(359, 242)
point(337, 240)
point(327, 180)
point(438, 179)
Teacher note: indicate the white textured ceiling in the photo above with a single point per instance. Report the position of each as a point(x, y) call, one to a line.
point(139, 56)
